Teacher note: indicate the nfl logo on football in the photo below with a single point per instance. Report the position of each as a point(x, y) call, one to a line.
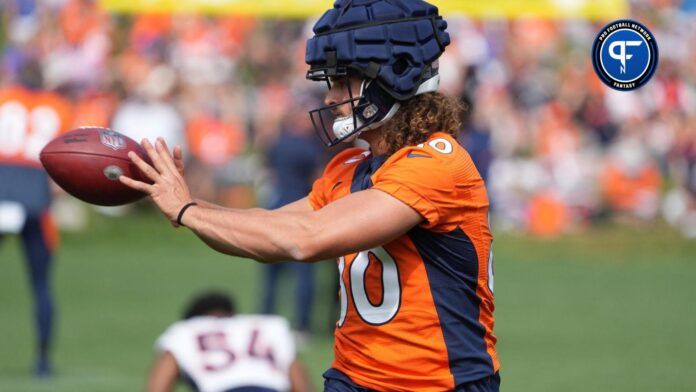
point(112, 140)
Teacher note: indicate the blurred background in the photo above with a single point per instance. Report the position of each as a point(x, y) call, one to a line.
point(593, 191)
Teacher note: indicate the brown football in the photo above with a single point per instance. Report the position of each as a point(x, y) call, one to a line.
point(87, 162)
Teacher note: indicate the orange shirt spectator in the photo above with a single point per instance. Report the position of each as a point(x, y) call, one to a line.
point(547, 215)
point(95, 109)
point(214, 141)
point(80, 17)
point(629, 191)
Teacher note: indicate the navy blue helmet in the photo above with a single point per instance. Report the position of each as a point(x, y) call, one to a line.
point(392, 45)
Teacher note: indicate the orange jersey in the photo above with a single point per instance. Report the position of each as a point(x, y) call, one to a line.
point(28, 121)
point(417, 312)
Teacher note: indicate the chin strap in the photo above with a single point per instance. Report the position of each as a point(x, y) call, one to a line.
point(344, 126)
point(429, 86)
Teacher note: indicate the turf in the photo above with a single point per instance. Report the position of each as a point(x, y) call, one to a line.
point(606, 310)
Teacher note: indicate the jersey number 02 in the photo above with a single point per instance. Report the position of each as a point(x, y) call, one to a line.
point(370, 313)
point(25, 132)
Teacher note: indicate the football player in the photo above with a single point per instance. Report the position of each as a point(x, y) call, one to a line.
point(214, 350)
point(30, 117)
point(406, 219)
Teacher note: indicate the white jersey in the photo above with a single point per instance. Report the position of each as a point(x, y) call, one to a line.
point(219, 354)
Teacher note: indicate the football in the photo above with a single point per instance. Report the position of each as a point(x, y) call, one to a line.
point(88, 161)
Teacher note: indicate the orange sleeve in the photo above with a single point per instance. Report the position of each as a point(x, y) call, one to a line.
point(319, 195)
point(433, 185)
point(316, 196)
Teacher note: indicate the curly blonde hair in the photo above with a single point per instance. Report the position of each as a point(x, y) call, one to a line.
point(420, 117)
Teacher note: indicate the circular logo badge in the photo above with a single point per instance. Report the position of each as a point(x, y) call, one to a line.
point(624, 55)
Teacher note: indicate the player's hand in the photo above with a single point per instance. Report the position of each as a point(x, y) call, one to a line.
point(178, 157)
point(179, 160)
point(168, 190)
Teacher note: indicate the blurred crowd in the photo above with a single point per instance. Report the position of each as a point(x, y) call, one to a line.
point(559, 149)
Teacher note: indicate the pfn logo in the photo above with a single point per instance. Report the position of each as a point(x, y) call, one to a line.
point(624, 55)
point(621, 55)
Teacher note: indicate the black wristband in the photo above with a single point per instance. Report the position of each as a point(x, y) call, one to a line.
point(181, 212)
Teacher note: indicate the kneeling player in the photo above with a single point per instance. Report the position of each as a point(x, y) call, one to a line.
point(214, 350)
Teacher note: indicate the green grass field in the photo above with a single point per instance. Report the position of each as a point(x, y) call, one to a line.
point(607, 310)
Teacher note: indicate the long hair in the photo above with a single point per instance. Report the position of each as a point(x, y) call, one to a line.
point(420, 117)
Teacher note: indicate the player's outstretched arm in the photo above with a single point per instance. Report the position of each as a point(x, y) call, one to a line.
point(357, 222)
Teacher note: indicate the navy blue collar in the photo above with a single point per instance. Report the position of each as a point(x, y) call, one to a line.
point(363, 172)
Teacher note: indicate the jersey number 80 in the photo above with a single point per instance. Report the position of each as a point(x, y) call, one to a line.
point(373, 314)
